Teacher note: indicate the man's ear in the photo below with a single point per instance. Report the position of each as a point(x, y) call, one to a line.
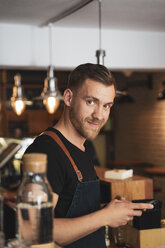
point(68, 94)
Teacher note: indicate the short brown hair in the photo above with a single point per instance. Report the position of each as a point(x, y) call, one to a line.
point(95, 72)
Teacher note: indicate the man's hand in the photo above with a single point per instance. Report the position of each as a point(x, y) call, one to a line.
point(120, 212)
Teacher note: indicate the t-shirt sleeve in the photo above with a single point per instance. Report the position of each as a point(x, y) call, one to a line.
point(55, 165)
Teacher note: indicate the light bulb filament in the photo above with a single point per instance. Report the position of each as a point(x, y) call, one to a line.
point(18, 106)
point(51, 104)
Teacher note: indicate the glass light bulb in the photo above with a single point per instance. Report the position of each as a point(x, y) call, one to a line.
point(18, 106)
point(51, 103)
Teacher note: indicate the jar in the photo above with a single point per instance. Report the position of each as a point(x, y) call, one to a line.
point(35, 201)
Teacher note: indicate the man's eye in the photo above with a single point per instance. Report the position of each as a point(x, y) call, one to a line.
point(90, 102)
point(107, 106)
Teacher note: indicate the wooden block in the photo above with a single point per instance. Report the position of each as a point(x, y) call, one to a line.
point(48, 245)
point(148, 238)
point(134, 188)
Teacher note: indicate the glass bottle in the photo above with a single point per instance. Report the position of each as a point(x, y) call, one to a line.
point(120, 236)
point(34, 202)
point(107, 239)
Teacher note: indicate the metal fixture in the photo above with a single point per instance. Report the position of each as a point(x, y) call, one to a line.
point(50, 95)
point(121, 96)
point(17, 100)
point(100, 54)
point(67, 12)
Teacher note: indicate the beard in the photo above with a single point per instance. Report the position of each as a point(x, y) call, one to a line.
point(83, 125)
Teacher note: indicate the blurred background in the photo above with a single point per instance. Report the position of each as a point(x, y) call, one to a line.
point(42, 41)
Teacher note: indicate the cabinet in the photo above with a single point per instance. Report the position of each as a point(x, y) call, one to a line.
point(31, 122)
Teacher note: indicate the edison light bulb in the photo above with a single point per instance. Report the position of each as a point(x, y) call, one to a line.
point(18, 106)
point(51, 103)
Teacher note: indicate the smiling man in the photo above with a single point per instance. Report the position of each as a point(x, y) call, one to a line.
point(79, 222)
point(90, 107)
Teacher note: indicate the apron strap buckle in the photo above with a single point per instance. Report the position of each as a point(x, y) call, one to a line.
point(79, 175)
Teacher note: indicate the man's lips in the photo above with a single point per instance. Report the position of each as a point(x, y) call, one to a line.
point(94, 123)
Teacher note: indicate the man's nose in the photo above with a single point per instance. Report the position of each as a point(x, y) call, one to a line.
point(98, 113)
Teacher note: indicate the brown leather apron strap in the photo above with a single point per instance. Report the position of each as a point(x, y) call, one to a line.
point(63, 147)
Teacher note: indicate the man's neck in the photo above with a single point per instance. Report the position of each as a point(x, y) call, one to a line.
point(69, 132)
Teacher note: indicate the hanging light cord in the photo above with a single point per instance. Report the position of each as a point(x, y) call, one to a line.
point(50, 43)
point(100, 24)
point(100, 54)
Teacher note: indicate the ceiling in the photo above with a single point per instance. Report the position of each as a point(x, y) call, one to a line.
point(146, 15)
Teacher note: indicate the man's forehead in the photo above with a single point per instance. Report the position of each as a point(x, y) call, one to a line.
point(92, 85)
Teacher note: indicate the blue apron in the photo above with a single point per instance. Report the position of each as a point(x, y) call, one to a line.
point(86, 200)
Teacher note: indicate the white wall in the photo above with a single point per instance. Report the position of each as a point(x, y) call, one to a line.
point(28, 46)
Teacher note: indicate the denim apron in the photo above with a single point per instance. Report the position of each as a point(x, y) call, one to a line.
point(86, 200)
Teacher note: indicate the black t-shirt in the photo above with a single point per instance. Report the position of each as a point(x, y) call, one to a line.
point(60, 172)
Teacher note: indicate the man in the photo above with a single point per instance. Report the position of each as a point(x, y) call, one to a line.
point(79, 222)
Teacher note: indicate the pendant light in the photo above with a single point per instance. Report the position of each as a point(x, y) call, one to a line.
point(17, 100)
point(100, 54)
point(50, 95)
point(121, 96)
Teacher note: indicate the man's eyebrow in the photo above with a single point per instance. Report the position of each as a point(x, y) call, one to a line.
point(91, 97)
point(110, 103)
point(88, 96)
point(96, 99)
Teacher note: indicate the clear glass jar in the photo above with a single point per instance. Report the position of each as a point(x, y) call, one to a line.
point(34, 201)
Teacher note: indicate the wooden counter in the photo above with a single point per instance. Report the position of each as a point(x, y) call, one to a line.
point(155, 171)
point(133, 188)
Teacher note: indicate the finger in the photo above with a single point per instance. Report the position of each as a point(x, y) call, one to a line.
point(142, 206)
point(131, 218)
point(128, 219)
point(116, 201)
point(123, 223)
point(137, 213)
